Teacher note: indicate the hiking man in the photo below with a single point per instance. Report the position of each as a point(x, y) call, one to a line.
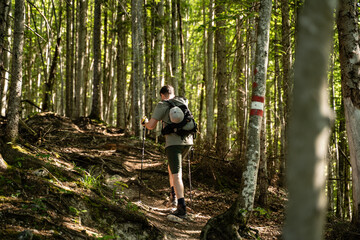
point(176, 146)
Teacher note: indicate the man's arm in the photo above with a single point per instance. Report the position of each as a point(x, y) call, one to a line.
point(151, 124)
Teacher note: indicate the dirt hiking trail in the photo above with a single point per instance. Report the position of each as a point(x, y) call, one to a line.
point(80, 180)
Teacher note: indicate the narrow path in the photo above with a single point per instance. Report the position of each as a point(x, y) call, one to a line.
point(154, 192)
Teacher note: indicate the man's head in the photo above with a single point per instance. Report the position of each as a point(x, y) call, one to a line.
point(167, 92)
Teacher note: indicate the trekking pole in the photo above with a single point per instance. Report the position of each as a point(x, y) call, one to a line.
point(190, 157)
point(142, 160)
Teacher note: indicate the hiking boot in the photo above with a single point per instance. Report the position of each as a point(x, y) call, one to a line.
point(180, 211)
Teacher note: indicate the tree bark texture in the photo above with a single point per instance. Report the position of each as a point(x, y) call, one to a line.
point(49, 84)
point(222, 79)
point(309, 125)
point(138, 64)
point(96, 104)
point(174, 47)
point(232, 223)
point(210, 78)
point(4, 14)
point(121, 65)
point(13, 115)
point(79, 83)
point(257, 107)
point(69, 53)
point(348, 32)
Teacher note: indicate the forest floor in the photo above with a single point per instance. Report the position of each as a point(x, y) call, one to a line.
point(80, 180)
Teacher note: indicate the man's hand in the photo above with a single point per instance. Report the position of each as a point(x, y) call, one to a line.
point(144, 120)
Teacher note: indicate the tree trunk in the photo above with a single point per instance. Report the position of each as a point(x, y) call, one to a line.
point(285, 104)
point(11, 131)
point(158, 80)
point(69, 63)
point(4, 15)
point(96, 110)
point(222, 78)
point(182, 83)
point(232, 223)
point(105, 72)
point(121, 65)
point(263, 168)
point(349, 49)
point(168, 50)
point(174, 47)
point(210, 79)
point(79, 83)
point(241, 89)
point(309, 127)
point(49, 84)
point(138, 64)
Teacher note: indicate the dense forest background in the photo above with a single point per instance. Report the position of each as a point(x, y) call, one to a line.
point(108, 59)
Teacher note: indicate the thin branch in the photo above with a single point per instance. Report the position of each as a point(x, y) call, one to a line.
point(32, 30)
point(37, 34)
point(47, 23)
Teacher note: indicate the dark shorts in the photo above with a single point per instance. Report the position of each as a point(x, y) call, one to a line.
point(175, 154)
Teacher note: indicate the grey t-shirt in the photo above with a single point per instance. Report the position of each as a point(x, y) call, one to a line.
point(161, 113)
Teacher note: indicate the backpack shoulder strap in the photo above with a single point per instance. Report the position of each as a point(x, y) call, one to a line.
point(170, 102)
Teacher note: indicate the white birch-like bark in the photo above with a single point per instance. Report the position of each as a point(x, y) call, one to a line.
point(349, 49)
point(12, 127)
point(259, 90)
point(309, 125)
point(4, 25)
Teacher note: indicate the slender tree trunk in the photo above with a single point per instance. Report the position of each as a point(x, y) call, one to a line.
point(11, 131)
point(96, 107)
point(168, 49)
point(333, 171)
point(210, 79)
point(4, 15)
point(263, 168)
point(222, 79)
point(49, 84)
point(257, 107)
point(121, 64)
point(232, 223)
point(241, 87)
point(174, 47)
point(182, 83)
point(158, 80)
point(309, 127)
point(105, 67)
point(348, 33)
point(138, 64)
point(69, 63)
point(287, 86)
point(79, 82)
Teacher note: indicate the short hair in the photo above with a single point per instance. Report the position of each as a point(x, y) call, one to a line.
point(167, 89)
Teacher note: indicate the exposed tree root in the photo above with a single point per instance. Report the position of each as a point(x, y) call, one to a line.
point(228, 225)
